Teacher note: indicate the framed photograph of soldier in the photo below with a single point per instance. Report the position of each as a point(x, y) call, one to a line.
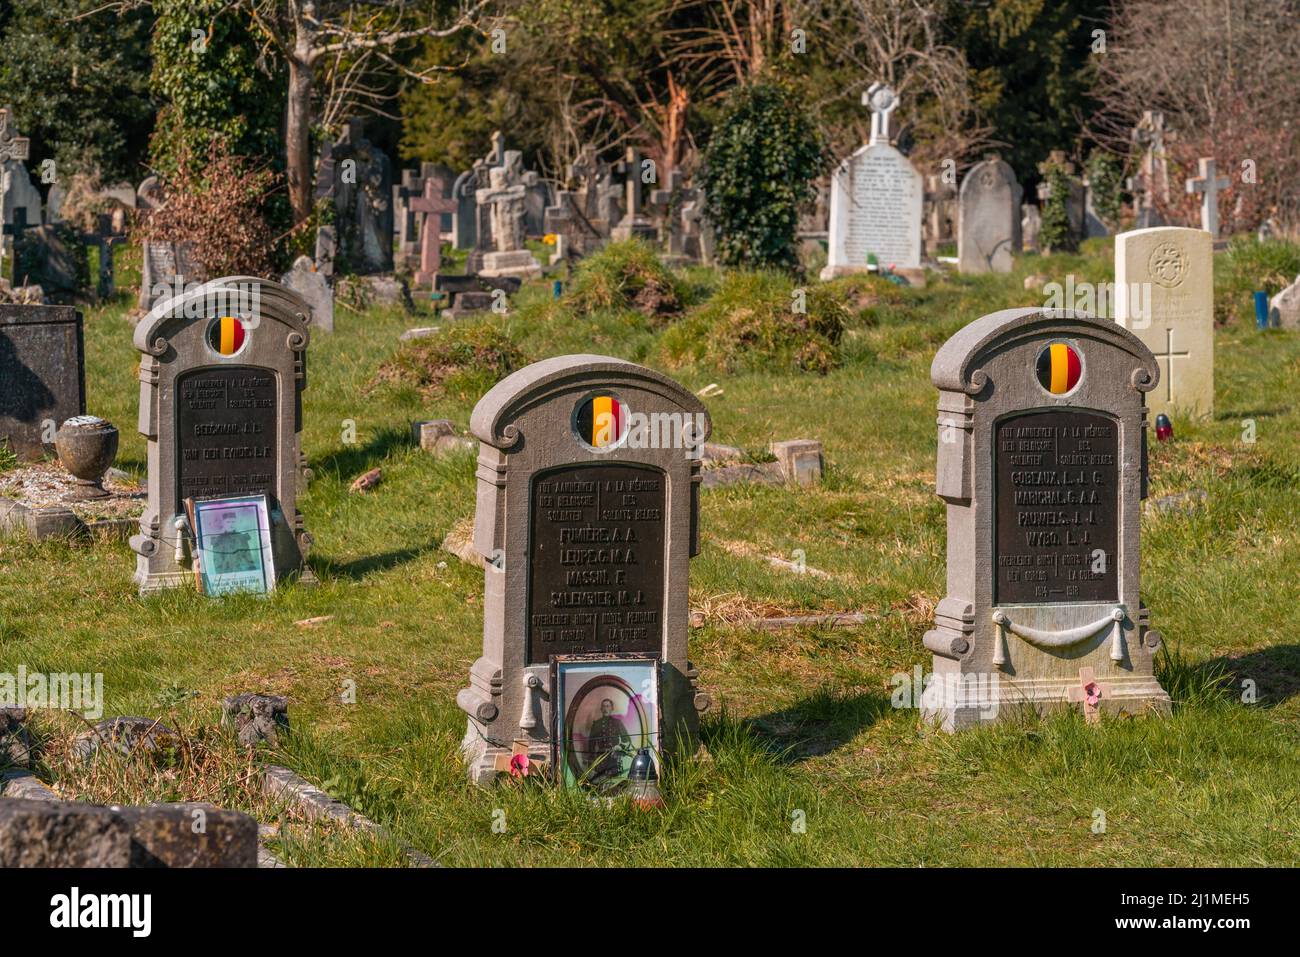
point(232, 543)
point(606, 712)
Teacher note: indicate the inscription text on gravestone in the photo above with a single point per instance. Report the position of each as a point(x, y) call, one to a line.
point(596, 561)
point(226, 420)
point(1057, 478)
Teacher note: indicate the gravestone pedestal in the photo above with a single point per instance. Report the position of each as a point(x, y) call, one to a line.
point(1042, 463)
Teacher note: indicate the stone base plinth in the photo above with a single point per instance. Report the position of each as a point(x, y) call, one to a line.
point(957, 702)
point(481, 756)
point(914, 276)
point(518, 263)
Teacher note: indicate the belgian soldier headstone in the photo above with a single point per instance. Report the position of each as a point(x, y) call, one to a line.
point(1042, 463)
point(42, 375)
point(588, 500)
point(222, 373)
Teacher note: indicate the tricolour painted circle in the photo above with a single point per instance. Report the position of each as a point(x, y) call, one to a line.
point(1059, 368)
point(227, 335)
point(601, 420)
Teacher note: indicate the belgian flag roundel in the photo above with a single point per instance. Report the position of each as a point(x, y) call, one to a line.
point(601, 421)
point(1059, 368)
point(226, 336)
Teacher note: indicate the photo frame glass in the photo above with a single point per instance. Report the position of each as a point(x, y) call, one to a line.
point(233, 545)
point(606, 709)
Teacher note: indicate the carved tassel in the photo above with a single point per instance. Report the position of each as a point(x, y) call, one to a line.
point(1000, 619)
point(1117, 635)
point(528, 720)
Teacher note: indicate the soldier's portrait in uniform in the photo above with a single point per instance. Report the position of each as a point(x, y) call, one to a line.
point(233, 545)
point(606, 710)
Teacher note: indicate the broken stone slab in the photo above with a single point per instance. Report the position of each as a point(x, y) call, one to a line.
point(765, 473)
point(20, 783)
point(124, 735)
point(62, 834)
point(191, 834)
point(441, 437)
point(266, 858)
point(800, 460)
point(364, 483)
point(15, 743)
point(716, 452)
point(256, 718)
point(419, 332)
point(282, 784)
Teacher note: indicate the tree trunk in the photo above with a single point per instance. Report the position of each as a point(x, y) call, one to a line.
point(297, 132)
point(297, 140)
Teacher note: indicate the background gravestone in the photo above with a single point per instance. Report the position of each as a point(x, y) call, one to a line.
point(356, 177)
point(876, 202)
point(314, 287)
point(1164, 294)
point(532, 459)
point(1042, 463)
point(223, 414)
point(988, 218)
point(165, 267)
point(42, 375)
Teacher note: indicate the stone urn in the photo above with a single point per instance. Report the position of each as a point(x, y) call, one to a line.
point(87, 446)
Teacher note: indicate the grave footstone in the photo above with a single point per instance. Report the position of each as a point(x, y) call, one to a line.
point(588, 479)
point(1042, 464)
point(988, 223)
point(876, 202)
point(222, 373)
point(1164, 294)
point(42, 375)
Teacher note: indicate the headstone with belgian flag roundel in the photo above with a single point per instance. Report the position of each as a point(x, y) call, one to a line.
point(587, 518)
point(1042, 450)
point(222, 373)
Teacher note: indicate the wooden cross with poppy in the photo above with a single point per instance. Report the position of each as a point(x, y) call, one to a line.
point(1089, 693)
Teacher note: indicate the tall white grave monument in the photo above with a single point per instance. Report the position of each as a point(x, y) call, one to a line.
point(876, 202)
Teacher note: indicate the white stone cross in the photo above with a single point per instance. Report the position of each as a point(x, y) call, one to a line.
point(11, 147)
point(882, 100)
point(1208, 185)
point(1169, 356)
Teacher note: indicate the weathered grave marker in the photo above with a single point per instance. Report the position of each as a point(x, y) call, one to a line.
point(876, 202)
point(429, 208)
point(1164, 286)
point(1208, 184)
point(988, 219)
point(587, 515)
point(1042, 463)
point(314, 287)
point(221, 379)
point(42, 375)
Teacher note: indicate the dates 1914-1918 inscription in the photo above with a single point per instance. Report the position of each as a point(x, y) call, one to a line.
point(596, 577)
point(1057, 478)
point(226, 422)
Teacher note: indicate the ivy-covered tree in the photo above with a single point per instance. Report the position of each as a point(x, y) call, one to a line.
point(761, 164)
point(76, 77)
point(214, 82)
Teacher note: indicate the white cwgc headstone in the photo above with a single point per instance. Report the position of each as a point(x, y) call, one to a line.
point(876, 202)
point(1164, 279)
point(988, 222)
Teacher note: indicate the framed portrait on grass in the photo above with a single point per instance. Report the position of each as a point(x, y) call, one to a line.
point(605, 711)
point(233, 544)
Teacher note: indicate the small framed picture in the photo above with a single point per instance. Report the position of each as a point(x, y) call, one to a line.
point(233, 545)
point(605, 712)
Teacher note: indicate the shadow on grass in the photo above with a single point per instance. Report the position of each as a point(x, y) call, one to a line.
point(1274, 673)
point(353, 460)
point(818, 724)
point(358, 569)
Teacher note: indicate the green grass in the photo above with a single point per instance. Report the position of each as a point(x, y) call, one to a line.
point(805, 761)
